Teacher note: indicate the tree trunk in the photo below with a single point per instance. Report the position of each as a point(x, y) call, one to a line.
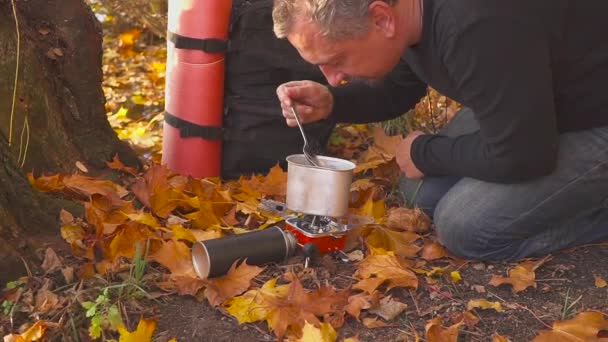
point(59, 97)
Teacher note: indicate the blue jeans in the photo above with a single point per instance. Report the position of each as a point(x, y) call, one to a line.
point(490, 221)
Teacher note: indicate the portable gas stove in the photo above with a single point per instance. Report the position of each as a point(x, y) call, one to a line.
point(326, 233)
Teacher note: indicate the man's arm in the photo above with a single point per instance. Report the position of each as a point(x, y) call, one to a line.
point(393, 96)
point(502, 67)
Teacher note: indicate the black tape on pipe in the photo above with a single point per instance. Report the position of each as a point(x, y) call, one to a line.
point(212, 258)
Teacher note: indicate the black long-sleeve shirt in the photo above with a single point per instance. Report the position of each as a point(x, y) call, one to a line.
point(529, 69)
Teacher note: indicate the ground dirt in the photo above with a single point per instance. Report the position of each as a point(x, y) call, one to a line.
point(565, 279)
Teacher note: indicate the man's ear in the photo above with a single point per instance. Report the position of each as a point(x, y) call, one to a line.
point(383, 18)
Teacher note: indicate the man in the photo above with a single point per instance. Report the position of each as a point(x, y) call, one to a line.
point(523, 170)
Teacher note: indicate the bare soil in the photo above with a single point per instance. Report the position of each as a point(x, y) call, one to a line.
point(565, 280)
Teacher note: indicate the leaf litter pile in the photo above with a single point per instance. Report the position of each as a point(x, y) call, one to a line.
point(127, 273)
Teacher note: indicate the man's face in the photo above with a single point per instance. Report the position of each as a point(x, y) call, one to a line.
point(368, 57)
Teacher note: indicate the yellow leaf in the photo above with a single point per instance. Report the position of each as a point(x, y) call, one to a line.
point(498, 338)
point(144, 218)
point(182, 233)
point(313, 334)
point(455, 276)
point(128, 38)
point(484, 304)
point(73, 235)
point(143, 333)
point(584, 327)
point(251, 306)
point(402, 243)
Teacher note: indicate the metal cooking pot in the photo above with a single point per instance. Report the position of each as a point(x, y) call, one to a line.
point(319, 190)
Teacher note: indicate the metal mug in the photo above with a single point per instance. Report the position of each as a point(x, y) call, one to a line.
point(319, 190)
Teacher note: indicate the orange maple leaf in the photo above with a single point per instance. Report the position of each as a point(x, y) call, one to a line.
point(376, 270)
point(402, 243)
point(435, 332)
point(584, 327)
point(236, 281)
point(301, 306)
point(521, 276)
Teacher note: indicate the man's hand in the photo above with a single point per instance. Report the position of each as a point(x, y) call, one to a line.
point(404, 159)
point(311, 100)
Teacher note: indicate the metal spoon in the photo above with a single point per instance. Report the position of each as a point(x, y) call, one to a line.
point(310, 156)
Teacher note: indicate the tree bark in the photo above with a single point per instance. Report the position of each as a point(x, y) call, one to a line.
point(59, 97)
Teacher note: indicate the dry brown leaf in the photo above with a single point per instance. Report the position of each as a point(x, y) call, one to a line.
point(362, 184)
point(599, 281)
point(302, 306)
point(521, 276)
point(116, 164)
point(81, 167)
point(435, 332)
point(388, 308)
point(433, 250)
point(47, 183)
point(34, 333)
point(51, 262)
point(66, 217)
point(376, 270)
point(413, 220)
point(68, 274)
point(235, 282)
point(402, 243)
point(361, 301)
point(372, 322)
point(468, 318)
point(45, 301)
point(175, 256)
point(498, 338)
point(584, 327)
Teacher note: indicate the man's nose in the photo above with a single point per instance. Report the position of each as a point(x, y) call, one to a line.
point(333, 76)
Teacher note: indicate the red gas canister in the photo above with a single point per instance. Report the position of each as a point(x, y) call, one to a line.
point(194, 89)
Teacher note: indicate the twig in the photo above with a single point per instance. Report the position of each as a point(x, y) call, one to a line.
point(522, 307)
point(10, 130)
point(415, 303)
point(26, 127)
point(27, 268)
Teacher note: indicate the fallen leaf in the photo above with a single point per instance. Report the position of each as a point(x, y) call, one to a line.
point(435, 332)
point(484, 304)
point(175, 256)
point(251, 306)
point(143, 333)
point(498, 338)
point(584, 327)
point(402, 243)
point(372, 322)
point(468, 318)
point(433, 250)
point(45, 301)
point(235, 282)
point(360, 301)
point(68, 274)
point(352, 339)
point(325, 333)
point(376, 270)
point(521, 277)
point(51, 261)
point(81, 167)
point(356, 255)
point(456, 277)
point(34, 333)
point(288, 310)
point(116, 164)
point(405, 219)
point(388, 308)
point(128, 38)
point(66, 217)
point(599, 281)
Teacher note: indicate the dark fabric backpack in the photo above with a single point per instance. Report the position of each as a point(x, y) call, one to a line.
point(257, 137)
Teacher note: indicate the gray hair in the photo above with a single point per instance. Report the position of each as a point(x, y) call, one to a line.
point(337, 19)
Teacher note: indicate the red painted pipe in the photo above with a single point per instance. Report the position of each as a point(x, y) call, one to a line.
point(194, 89)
